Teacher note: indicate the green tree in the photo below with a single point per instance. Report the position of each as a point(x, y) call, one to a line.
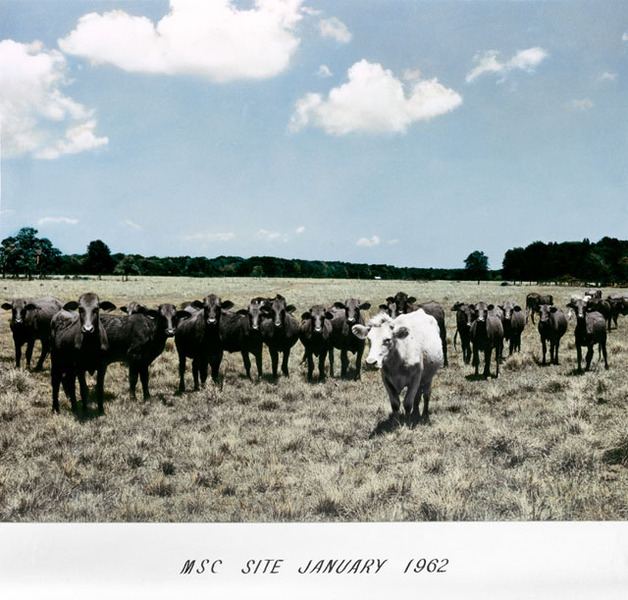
point(29, 255)
point(476, 266)
point(126, 267)
point(99, 260)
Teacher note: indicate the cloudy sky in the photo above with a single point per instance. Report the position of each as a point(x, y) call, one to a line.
point(406, 132)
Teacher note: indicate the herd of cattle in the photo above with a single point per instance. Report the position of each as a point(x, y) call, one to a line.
point(408, 340)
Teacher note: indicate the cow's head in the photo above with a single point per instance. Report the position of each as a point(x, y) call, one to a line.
point(166, 316)
point(479, 312)
point(545, 311)
point(317, 315)
point(579, 307)
point(212, 309)
point(134, 308)
point(89, 306)
point(276, 309)
point(382, 334)
point(352, 308)
point(254, 313)
point(18, 308)
point(399, 304)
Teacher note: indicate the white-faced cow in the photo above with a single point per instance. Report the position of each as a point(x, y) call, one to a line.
point(346, 315)
point(408, 350)
point(139, 338)
point(241, 331)
point(79, 345)
point(487, 333)
point(30, 321)
point(315, 335)
point(590, 330)
point(514, 322)
point(552, 326)
point(534, 300)
point(198, 338)
point(280, 331)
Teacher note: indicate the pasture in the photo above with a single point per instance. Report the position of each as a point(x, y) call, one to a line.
point(537, 443)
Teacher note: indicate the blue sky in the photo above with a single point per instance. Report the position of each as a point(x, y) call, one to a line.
point(384, 131)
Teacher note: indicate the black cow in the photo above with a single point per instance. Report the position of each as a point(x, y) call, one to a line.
point(590, 330)
point(487, 333)
point(198, 338)
point(241, 332)
point(280, 331)
point(346, 315)
point(534, 300)
point(435, 310)
point(619, 305)
point(552, 326)
point(139, 338)
point(514, 322)
point(603, 307)
point(79, 345)
point(399, 304)
point(30, 321)
point(315, 334)
point(463, 329)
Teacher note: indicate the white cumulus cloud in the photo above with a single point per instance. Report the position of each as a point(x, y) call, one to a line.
point(55, 220)
point(375, 101)
point(132, 224)
point(525, 60)
point(209, 237)
point(36, 117)
point(336, 29)
point(368, 242)
point(324, 71)
point(211, 38)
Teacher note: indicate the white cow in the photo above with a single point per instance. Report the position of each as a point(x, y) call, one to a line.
point(409, 351)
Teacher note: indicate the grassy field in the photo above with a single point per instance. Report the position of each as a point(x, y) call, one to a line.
point(538, 443)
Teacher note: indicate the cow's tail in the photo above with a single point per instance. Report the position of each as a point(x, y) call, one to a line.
point(455, 336)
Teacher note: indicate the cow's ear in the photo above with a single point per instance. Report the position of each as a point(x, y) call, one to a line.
point(472, 306)
point(360, 331)
point(383, 308)
point(456, 306)
point(553, 309)
point(226, 304)
point(305, 315)
point(402, 332)
point(182, 314)
point(339, 305)
point(242, 311)
point(517, 308)
point(7, 306)
point(365, 305)
point(390, 299)
point(571, 305)
point(329, 315)
point(30, 306)
point(291, 308)
point(411, 300)
point(490, 307)
point(107, 306)
point(72, 305)
point(124, 309)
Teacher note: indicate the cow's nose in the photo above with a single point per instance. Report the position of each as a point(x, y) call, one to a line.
point(169, 332)
point(87, 328)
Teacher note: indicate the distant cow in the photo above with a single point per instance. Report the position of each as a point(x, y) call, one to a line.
point(487, 333)
point(399, 304)
point(552, 327)
point(590, 330)
point(603, 307)
point(280, 331)
point(30, 321)
point(593, 293)
point(534, 300)
point(79, 345)
point(346, 315)
point(241, 332)
point(315, 335)
point(463, 329)
point(139, 338)
point(198, 338)
point(409, 351)
point(514, 323)
point(619, 305)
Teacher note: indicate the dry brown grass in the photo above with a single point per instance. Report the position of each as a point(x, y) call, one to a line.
point(538, 443)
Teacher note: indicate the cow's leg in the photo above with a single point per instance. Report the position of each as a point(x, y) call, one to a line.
point(358, 363)
point(258, 362)
point(310, 365)
point(247, 362)
point(476, 360)
point(344, 363)
point(55, 380)
point(589, 356)
point(100, 388)
point(274, 361)
point(215, 366)
point(284, 362)
point(133, 374)
point(196, 366)
point(412, 399)
point(45, 350)
point(544, 344)
point(144, 377)
point(18, 352)
point(69, 387)
point(487, 362)
point(83, 389)
point(444, 342)
point(393, 396)
point(321, 365)
point(579, 355)
point(603, 346)
point(29, 352)
point(181, 373)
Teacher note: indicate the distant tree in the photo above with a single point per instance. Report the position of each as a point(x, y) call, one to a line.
point(476, 266)
point(27, 254)
point(126, 267)
point(99, 260)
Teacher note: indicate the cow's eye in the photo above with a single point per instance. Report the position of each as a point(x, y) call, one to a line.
point(387, 342)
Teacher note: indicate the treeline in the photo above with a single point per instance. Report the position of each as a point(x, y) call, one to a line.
point(604, 263)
